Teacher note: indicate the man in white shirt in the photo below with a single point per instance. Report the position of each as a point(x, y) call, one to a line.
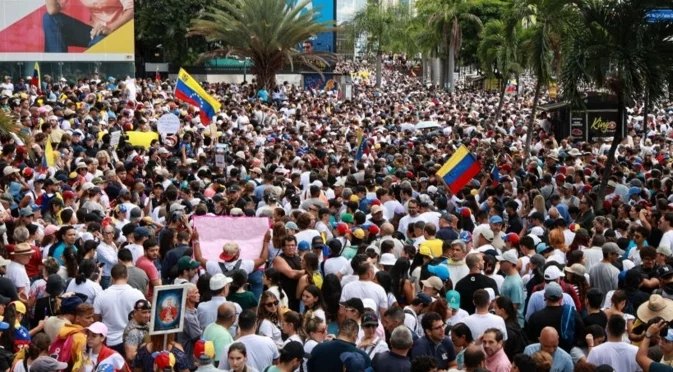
point(16, 270)
point(615, 352)
point(262, 351)
point(113, 306)
point(364, 287)
point(482, 320)
point(666, 225)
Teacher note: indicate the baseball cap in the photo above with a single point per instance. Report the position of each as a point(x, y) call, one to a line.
point(163, 359)
point(47, 364)
point(219, 281)
point(487, 234)
point(98, 328)
point(537, 231)
point(664, 271)
point(611, 248)
point(424, 298)
point(370, 319)
point(453, 298)
point(142, 231)
point(69, 304)
point(424, 250)
point(303, 246)
point(186, 263)
point(294, 350)
point(465, 236)
point(495, 219)
point(553, 273)
point(359, 233)
point(441, 271)
point(541, 247)
point(553, 291)
point(377, 209)
point(204, 350)
point(509, 256)
point(663, 249)
point(356, 304)
point(347, 217)
point(433, 282)
point(342, 228)
point(142, 305)
point(317, 242)
point(291, 226)
point(512, 238)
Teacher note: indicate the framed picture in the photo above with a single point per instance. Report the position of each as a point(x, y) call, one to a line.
point(168, 306)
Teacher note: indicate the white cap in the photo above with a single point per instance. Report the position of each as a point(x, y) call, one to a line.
point(387, 259)
point(509, 256)
point(219, 281)
point(553, 273)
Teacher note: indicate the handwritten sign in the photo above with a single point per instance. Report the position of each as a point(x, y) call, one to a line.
point(114, 138)
point(214, 232)
point(168, 124)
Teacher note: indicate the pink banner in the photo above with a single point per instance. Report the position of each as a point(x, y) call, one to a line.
point(214, 232)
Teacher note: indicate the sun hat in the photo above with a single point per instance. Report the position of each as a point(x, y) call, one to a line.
point(577, 269)
point(387, 259)
point(656, 306)
point(22, 248)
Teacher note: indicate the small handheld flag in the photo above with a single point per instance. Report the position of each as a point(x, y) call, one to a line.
point(461, 167)
point(495, 175)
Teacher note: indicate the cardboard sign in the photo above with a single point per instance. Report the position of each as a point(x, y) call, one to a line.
point(168, 124)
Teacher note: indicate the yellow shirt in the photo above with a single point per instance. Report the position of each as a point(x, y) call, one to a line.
point(435, 246)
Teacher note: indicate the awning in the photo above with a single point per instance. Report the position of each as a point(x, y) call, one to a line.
point(553, 106)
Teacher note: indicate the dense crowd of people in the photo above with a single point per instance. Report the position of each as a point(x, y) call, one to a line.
point(371, 262)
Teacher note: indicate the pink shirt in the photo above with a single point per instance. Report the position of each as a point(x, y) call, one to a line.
point(148, 267)
point(103, 12)
point(498, 362)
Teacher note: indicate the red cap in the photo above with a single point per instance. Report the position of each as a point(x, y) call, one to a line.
point(506, 167)
point(562, 170)
point(587, 171)
point(375, 202)
point(68, 195)
point(342, 228)
point(27, 172)
point(560, 178)
point(465, 212)
point(410, 174)
point(21, 150)
point(374, 230)
point(607, 205)
point(512, 238)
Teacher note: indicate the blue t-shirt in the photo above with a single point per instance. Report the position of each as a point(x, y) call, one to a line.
point(561, 361)
point(512, 287)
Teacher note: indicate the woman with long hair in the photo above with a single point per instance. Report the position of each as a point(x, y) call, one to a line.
point(70, 263)
point(272, 279)
point(145, 362)
point(237, 356)
point(618, 303)
point(314, 304)
point(461, 336)
point(39, 346)
point(401, 286)
point(268, 317)
point(538, 205)
point(384, 279)
point(581, 241)
point(203, 284)
point(49, 304)
point(575, 276)
point(167, 241)
point(331, 289)
point(316, 332)
point(293, 327)
point(557, 241)
point(309, 263)
point(516, 339)
point(87, 251)
point(86, 281)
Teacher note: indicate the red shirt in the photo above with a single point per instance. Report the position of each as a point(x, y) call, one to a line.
point(33, 266)
point(148, 267)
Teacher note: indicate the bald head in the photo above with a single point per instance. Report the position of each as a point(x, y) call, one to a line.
point(549, 340)
point(226, 312)
point(387, 229)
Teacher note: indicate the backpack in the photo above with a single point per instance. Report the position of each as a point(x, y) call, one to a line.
point(229, 273)
point(568, 324)
point(407, 311)
point(61, 349)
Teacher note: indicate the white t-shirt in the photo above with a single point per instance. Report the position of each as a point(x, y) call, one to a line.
point(89, 288)
point(306, 235)
point(214, 268)
point(261, 352)
point(17, 274)
point(333, 265)
point(114, 305)
point(272, 331)
point(362, 290)
point(478, 323)
point(619, 355)
point(137, 251)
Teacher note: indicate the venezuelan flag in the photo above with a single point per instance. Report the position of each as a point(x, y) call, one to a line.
point(187, 89)
point(363, 148)
point(459, 169)
point(36, 81)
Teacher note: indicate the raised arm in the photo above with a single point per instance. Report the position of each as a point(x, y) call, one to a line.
point(265, 251)
point(197, 249)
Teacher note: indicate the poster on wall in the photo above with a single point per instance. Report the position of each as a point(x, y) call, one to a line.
point(67, 30)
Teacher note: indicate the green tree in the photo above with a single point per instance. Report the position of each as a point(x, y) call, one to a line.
point(486, 10)
point(384, 28)
point(168, 29)
point(617, 49)
point(446, 16)
point(501, 48)
point(543, 46)
point(266, 31)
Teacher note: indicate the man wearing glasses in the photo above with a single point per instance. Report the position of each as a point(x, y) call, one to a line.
point(435, 343)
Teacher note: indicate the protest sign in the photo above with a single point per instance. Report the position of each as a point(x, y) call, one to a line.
point(168, 124)
point(215, 231)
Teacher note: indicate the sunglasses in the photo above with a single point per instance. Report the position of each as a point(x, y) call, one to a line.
point(271, 304)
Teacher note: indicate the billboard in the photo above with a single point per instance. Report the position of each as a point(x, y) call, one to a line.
point(324, 11)
point(67, 30)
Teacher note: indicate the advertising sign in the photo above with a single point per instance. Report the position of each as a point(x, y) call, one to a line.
point(602, 124)
point(577, 125)
point(66, 30)
point(324, 11)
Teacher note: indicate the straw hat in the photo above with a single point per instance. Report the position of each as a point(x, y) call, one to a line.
point(656, 306)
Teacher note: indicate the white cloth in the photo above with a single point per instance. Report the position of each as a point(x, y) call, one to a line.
point(478, 323)
point(17, 274)
point(619, 355)
point(114, 305)
point(89, 288)
point(362, 290)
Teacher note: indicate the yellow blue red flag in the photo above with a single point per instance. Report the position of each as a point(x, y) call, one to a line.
point(462, 167)
point(363, 147)
point(36, 81)
point(189, 90)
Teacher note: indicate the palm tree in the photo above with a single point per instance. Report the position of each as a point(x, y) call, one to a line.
point(266, 31)
point(501, 48)
point(617, 49)
point(383, 27)
point(543, 46)
point(446, 17)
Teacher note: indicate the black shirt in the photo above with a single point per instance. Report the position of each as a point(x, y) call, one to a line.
point(468, 285)
point(598, 318)
point(447, 234)
point(551, 317)
point(391, 362)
